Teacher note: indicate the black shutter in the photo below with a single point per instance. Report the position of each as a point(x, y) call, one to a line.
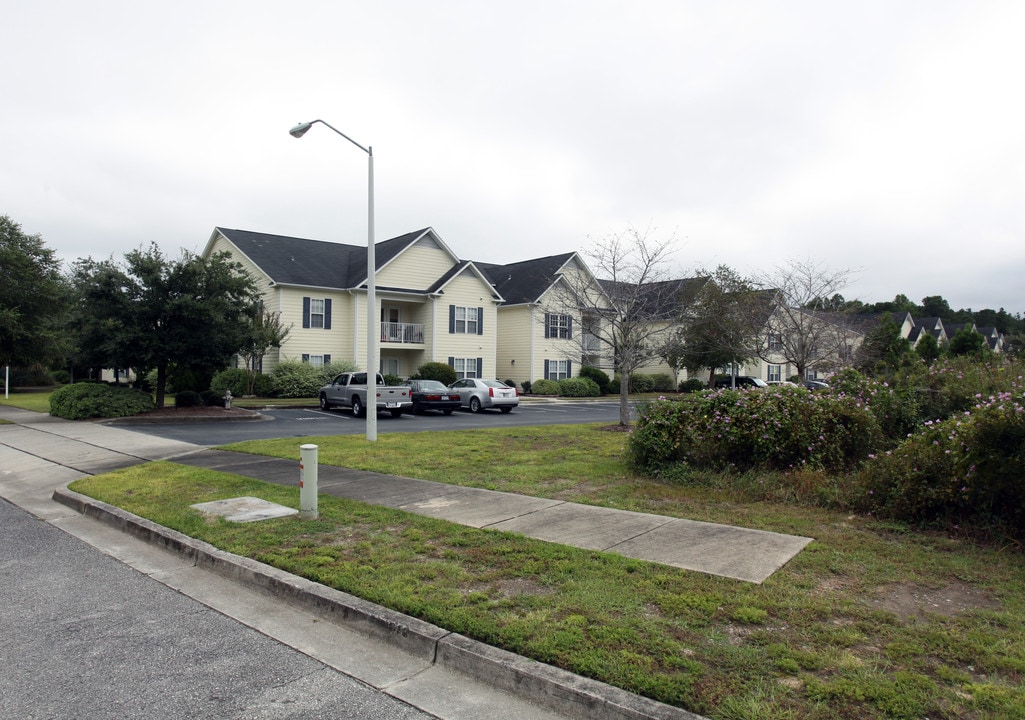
point(451, 362)
point(327, 314)
point(451, 319)
point(569, 368)
point(480, 367)
point(548, 333)
point(480, 321)
point(327, 359)
point(546, 370)
point(306, 357)
point(306, 312)
point(569, 328)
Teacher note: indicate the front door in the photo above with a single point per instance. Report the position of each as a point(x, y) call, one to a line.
point(391, 326)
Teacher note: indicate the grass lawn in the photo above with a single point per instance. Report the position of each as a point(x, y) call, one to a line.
point(871, 620)
point(35, 400)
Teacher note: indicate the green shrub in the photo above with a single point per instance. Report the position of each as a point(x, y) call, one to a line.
point(62, 377)
point(234, 379)
point(954, 384)
point(389, 379)
point(691, 385)
point(966, 469)
point(442, 372)
point(188, 398)
point(212, 399)
point(329, 371)
point(30, 376)
point(578, 387)
point(640, 383)
point(526, 385)
point(662, 382)
point(600, 377)
point(96, 400)
point(510, 383)
point(895, 407)
point(545, 387)
point(263, 385)
point(237, 380)
point(296, 379)
point(782, 429)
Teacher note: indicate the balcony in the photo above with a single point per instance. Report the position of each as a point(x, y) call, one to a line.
point(404, 333)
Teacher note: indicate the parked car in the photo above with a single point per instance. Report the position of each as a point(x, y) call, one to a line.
point(477, 394)
point(816, 384)
point(350, 390)
point(432, 395)
point(743, 381)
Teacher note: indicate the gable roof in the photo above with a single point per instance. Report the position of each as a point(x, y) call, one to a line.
point(316, 263)
point(525, 281)
point(664, 299)
point(438, 287)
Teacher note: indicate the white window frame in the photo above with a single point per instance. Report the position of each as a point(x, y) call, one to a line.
point(316, 360)
point(466, 368)
point(466, 321)
point(558, 369)
point(317, 314)
point(559, 326)
point(774, 373)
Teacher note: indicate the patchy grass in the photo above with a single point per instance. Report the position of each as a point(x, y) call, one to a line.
point(871, 620)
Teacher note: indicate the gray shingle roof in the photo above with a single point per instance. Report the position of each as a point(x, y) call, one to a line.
point(524, 281)
point(314, 263)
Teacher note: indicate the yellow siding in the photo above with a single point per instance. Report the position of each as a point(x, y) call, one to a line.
point(467, 290)
point(418, 267)
point(515, 343)
point(262, 282)
point(336, 341)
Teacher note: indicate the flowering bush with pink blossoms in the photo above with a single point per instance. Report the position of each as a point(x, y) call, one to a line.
point(780, 429)
point(969, 468)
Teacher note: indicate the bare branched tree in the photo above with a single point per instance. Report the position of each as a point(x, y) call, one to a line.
point(625, 305)
point(802, 331)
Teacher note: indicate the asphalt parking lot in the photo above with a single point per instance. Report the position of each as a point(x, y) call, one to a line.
point(310, 422)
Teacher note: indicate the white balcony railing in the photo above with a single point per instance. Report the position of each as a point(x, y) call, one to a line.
point(412, 333)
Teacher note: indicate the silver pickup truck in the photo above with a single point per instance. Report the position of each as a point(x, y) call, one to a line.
point(349, 390)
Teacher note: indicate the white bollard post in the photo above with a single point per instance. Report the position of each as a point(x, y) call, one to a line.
point(308, 482)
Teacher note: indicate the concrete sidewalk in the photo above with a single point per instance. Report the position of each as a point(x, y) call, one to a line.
point(727, 551)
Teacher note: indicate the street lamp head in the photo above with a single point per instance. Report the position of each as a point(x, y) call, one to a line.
point(299, 130)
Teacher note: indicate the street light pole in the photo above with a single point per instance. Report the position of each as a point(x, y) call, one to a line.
point(372, 329)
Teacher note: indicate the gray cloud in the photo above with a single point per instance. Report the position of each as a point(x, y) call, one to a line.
point(882, 136)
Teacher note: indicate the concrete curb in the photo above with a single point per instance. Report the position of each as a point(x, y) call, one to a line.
point(548, 686)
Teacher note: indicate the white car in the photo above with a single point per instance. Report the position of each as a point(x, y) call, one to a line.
point(477, 394)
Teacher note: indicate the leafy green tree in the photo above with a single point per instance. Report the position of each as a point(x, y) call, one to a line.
point(33, 296)
point(935, 306)
point(967, 341)
point(264, 332)
point(883, 347)
point(928, 349)
point(724, 323)
point(153, 312)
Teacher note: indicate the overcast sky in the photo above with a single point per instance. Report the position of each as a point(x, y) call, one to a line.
point(884, 137)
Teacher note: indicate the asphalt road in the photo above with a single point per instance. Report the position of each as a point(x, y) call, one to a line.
point(315, 422)
point(85, 636)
